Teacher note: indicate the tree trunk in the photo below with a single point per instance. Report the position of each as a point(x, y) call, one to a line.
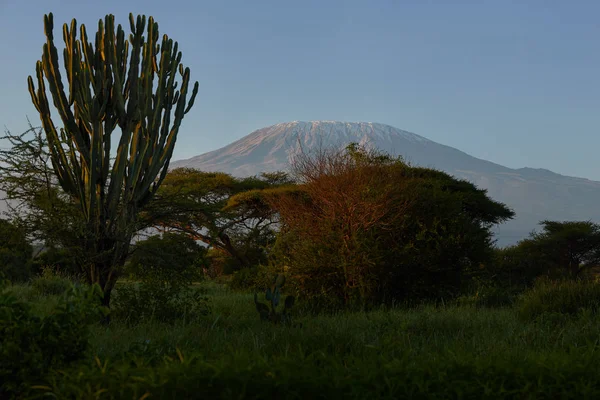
point(106, 303)
point(106, 279)
point(574, 267)
point(105, 274)
point(228, 246)
point(107, 289)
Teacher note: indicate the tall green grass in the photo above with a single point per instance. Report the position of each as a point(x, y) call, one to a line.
point(426, 352)
point(549, 298)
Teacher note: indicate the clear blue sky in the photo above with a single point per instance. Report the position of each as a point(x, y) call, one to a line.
point(516, 82)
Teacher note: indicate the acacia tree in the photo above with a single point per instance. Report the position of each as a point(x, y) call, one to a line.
point(35, 199)
point(567, 246)
point(198, 203)
point(107, 91)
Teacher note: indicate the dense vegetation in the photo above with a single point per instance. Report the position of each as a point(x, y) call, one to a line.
point(443, 352)
point(356, 275)
point(362, 227)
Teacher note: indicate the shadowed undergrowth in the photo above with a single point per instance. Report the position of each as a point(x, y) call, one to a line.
point(444, 352)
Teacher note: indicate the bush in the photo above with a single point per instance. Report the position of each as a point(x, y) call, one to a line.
point(561, 297)
point(15, 252)
point(244, 279)
point(50, 283)
point(364, 229)
point(31, 346)
point(170, 257)
point(487, 296)
point(165, 267)
point(223, 279)
point(59, 260)
point(158, 301)
point(254, 278)
point(518, 265)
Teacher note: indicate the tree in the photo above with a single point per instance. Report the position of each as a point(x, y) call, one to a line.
point(570, 246)
point(199, 204)
point(15, 252)
point(364, 227)
point(45, 213)
point(107, 92)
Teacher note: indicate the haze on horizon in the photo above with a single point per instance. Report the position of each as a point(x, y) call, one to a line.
point(516, 84)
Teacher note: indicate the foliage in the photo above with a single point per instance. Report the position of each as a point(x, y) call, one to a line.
point(491, 296)
point(31, 346)
point(103, 94)
point(441, 352)
point(155, 300)
point(516, 266)
point(559, 297)
point(365, 228)
point(166, 267)
point(273, 296)
point(60, 260)
point(500, 281)
point(38, 204)
point(561, 250)
point(199, 204)
point(249, 278)
point(171, 257)
point(185, 375)
point(15, 252)
point(50, 282)
point(568, 247)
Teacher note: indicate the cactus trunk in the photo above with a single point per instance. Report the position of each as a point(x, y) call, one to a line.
point(106, 94)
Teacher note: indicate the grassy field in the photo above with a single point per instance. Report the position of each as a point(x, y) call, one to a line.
point(446, 352)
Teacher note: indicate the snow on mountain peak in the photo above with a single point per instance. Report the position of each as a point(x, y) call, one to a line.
point(333, 132)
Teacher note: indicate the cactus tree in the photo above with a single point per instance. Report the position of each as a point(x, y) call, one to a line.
point(109, 91)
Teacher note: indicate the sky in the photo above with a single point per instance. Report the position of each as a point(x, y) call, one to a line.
point(513, 82)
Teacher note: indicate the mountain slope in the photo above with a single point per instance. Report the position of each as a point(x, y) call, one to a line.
point(534, 194)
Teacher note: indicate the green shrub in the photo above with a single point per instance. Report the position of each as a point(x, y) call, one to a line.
point(50, 283)
point(518, 265)
point(253, 278)
point(223, 279)
point(165, 267)
point(561, 297)
point(59, 260)
point(245, 278)
point(158, 301)
point(30, 346)
point(490, 296)
point(15, 252)
point(169, 257)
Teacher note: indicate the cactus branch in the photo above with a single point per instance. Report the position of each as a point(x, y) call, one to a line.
point(113, 83)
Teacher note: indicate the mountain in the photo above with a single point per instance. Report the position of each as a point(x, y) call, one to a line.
point(534, 194)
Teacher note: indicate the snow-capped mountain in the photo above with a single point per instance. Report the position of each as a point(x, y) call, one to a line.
point(534, 194)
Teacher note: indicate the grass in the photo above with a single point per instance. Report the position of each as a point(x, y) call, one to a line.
point(427, 352)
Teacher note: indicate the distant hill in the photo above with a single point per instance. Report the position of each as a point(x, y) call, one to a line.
point(534, 194)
